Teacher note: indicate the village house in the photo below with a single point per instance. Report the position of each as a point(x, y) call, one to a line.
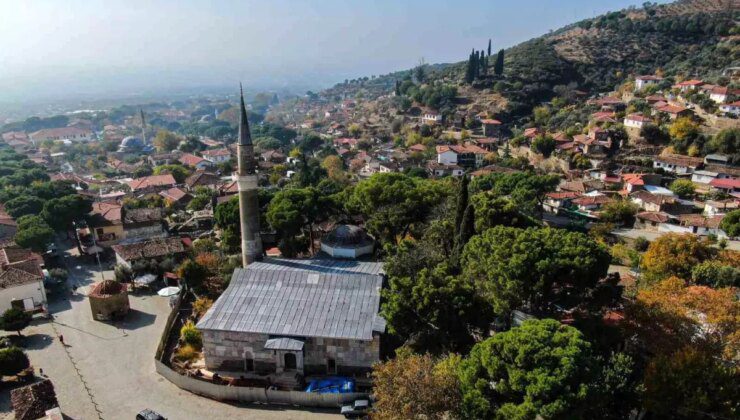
point(321, 339)
point(726, 185)
point(104, 227)
point(731, 108)
point(531, 133)
point(431, 118)
point(636, 121)
point(677, 164)
point(608, 103)
point(8, 226)
point(146, 223)
point(163, 159)
point(581, 186)
point(64, 134)
point(588, 204)
point(468, 156)
point(438, 170)
point(202, 179)
point(21, 280)
point(490, 127)
point(652, 221)
point(658, 202)
point(673, 111)
point(635, 182)
point(557, 200)
point(151, 249)
point(701, 225)
point(715, 207)
point(193, 161)
point(217, 156)
point(722, 94)
point(487, 143)
point(703, 176)
point(274, 156)
point(641, 82)
point(152, 184)
point(176, 197)
point(688, 85)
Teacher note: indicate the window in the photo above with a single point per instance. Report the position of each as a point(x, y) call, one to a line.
point(331, 366)
point(249, 365)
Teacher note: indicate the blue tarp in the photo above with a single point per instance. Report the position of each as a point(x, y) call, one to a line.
point(333, 385)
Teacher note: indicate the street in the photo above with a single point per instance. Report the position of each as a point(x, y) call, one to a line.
point(106, 370)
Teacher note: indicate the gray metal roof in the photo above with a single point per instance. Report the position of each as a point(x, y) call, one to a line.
point(319, 266)
point(301, 298)
point(284, 344)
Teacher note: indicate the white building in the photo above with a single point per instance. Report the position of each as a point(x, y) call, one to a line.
point(679, 165)
point(21, 280)
point(731, 108)
point(64, 134)
point(636, 121)
point(431, 118)
point(703, 177)
point(217, 155)
point(642, 82)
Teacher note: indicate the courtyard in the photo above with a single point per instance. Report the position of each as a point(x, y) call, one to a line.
point(106, 370)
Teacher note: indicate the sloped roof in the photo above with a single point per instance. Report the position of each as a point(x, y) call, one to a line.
point(301, 298)
point(152, 248)
point(31, 402)
point(152, 181)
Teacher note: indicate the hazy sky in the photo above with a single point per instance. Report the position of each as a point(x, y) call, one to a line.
point(98, 47)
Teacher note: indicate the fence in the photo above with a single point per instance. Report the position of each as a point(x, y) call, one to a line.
point(250, 394)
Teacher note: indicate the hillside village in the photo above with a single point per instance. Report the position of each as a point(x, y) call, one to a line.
point(471, 206)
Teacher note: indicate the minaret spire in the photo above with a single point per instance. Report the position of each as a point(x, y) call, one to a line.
point(247, 182)
point(143, 126)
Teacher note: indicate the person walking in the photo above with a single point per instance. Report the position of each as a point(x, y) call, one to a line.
point(61, 339)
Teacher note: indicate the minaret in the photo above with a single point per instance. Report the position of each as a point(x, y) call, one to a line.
point(143, 126)
point(246, 180)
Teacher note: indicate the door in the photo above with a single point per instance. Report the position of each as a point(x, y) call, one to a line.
point(290, 361)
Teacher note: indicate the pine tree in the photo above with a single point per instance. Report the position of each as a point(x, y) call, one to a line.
point(462, 203)
point(498, 68)
point(469, 71)
point(489, 47)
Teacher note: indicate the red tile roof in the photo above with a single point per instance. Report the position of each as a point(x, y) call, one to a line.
point(152, 181)
point(725, 183)
point(188, 159)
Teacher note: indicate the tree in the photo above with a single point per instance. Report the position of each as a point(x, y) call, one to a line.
point(671, 316)
point(292, 212)
point(544, 145)
point(434, 311)
point(15, 319)
point(731, 224)
point(23, 205)
point(462, 203)
point(179, 172)
point(491, 210)
point(684, 129)
point(489, 47)
point(227, 213)
point(193, 274)
point(688, 384)
point(673, 255)
point(12, 361)
point(619, 211)
point(727, 142)
point(715, 274)
point(59, 213)
point(498, 67)
point(166, 141)
point(416, 386)
point(532, 268)
point(540, 369)
point(654, 134)
point(354, 130)
point(35, 237)
point(683, 188)
point(392, 202)
point(334, 168)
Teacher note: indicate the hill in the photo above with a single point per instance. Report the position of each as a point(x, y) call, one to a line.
point(679, 40)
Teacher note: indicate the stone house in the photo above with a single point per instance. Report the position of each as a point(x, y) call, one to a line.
point(157, 249)
point(146, 223)
point(21, 280)
point(307, 317)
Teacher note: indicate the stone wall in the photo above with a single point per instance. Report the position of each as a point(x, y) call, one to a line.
point(228, 351)
point(105, 308)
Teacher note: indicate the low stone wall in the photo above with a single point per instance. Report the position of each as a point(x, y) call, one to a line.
point(255, 395)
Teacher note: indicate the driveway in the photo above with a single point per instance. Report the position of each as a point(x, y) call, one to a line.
point(106, 370)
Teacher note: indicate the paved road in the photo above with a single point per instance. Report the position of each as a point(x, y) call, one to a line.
point(114, 362)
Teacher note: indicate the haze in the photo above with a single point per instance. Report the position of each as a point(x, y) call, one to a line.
point(83, 48)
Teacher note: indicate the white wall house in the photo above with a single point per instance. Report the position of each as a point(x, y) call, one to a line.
point(636, 121)
point(642, 82)
point(29, 296)
point(732, 108)
point(431, 118)
point(64, 134)
point(703, 177)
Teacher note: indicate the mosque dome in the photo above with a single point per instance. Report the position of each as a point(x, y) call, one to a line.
point(132, 142)
point(347, 241)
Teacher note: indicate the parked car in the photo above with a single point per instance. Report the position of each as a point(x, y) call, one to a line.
point(148, 414)
point(358, 409)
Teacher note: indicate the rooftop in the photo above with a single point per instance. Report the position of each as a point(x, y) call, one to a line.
point(301, 298)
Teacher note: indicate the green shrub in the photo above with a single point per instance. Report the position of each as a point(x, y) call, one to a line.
point(190, 335)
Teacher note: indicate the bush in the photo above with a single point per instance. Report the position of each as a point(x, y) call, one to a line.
point(190, 335)
point(186, 353)
point(12, 361)
point(59, 274)
point(641, 244)
point(201, 306)
point(15, 319)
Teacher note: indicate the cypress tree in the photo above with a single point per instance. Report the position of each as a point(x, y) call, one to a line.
point(498, 68)
point(462, 203)
point(469, 71)
point(483, 63)
point(467, 228)
point(489, 47)
point(398, 88)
